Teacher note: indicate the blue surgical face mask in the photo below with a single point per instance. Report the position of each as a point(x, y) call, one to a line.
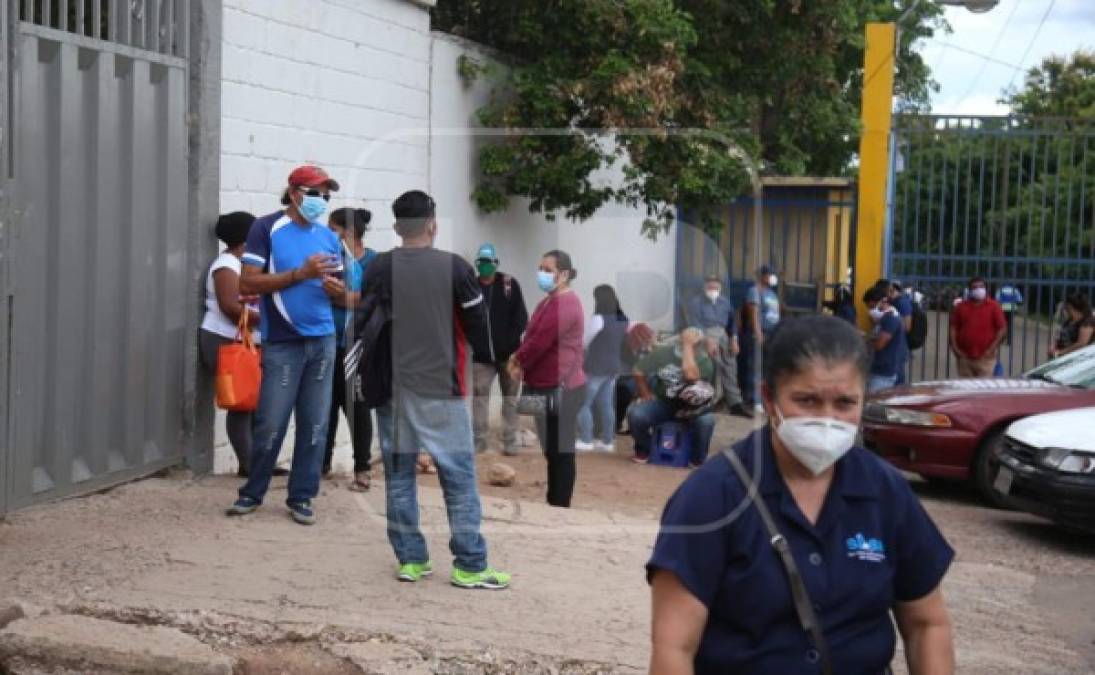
point(312, 208)
point(546, 281)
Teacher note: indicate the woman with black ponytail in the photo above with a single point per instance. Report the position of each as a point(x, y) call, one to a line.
point(350, 225)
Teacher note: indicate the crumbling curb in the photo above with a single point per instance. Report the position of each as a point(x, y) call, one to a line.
point(84, 643)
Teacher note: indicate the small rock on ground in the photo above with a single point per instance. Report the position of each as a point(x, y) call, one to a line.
point(9, 613)
point(502, 475)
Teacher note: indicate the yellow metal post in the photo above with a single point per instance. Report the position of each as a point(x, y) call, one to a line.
point(877, 111)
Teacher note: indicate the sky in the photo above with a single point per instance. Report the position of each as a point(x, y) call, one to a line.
point(986, 53)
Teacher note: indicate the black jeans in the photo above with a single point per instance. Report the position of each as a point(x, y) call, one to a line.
point(237, 424)
point(748, 373)
point(359, 415)
point(557, 434)
point(625, 394)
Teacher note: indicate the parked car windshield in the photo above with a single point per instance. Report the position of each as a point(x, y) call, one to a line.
point(1075, 370)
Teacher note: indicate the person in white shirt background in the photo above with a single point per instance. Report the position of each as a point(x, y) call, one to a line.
point(223, 308)
point(605, 332)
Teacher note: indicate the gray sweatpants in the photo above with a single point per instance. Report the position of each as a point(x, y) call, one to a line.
point(482, 381)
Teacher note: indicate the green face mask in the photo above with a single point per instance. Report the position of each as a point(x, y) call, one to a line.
point(485, 268)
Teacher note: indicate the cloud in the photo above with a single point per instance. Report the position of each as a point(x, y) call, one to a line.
point(969, 64)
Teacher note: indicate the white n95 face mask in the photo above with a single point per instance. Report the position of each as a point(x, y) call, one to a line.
point(816, 442)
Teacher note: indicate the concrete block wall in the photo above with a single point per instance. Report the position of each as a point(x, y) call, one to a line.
point(607, 249)
point(340, 83)
point(362, 88)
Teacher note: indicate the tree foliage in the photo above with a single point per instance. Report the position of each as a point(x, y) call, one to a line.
point(665, 88)
point(1011, 198)
point(1059, 87)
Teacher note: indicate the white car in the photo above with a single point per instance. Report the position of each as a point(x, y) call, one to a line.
point(1046, 466)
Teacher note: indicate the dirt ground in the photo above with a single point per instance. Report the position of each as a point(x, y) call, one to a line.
point(606, 481)
point(288, 599)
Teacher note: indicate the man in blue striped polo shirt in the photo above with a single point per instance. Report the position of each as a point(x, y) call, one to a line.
point(287, 256)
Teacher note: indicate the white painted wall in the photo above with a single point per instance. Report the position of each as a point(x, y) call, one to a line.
point(349, 85)
point(339, 83)
point(362, 88)
point(608, 248)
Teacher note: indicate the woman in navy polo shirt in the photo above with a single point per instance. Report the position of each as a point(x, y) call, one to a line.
point(861, 542)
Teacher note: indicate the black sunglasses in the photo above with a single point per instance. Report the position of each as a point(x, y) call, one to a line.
point(312, 192)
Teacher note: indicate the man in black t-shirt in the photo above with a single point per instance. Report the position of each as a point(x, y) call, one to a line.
point(436, 310)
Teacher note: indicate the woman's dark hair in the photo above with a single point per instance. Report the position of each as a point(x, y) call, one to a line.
point(232, 228)
point(798, 343)
point(606, 303)
point(356, 219)
point(562, 261)
point(1079, 302)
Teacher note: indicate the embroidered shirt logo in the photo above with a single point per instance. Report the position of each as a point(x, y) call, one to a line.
point(870, 550)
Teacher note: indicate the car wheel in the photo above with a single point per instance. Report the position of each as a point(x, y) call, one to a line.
point(983, 473)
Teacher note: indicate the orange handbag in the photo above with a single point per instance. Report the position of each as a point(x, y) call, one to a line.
point(239, 371)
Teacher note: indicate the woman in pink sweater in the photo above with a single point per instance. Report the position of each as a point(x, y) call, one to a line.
point(550, 357)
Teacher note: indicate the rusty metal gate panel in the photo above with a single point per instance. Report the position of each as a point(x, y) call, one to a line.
point(98, 253)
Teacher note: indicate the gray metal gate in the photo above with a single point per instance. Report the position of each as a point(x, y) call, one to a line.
point(1010, 199)
point(99, 296)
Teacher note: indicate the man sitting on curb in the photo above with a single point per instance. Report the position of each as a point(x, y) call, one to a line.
point(674, 382)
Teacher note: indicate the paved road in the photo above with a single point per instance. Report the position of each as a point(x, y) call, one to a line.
point(1030, 340)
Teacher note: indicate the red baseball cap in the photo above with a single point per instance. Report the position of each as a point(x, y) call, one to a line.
point(311, 176)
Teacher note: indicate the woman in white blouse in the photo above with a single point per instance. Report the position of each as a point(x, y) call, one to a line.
point(223, 307)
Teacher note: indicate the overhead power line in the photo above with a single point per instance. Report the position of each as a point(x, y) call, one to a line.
point(992, 53)
point(1030, 45)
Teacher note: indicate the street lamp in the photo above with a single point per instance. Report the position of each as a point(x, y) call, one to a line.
point(975, 6)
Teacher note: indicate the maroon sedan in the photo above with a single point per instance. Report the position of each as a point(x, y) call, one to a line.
point(949, 429)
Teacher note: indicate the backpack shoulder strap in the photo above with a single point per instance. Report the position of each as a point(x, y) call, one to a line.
point(803, 605)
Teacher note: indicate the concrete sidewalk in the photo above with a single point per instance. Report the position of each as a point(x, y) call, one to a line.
point(161, 552)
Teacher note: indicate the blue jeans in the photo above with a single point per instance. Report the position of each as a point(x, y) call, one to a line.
point(646, 415)
point(296, 377)
point(442, 427)
point(600, 398)
point(880, 382)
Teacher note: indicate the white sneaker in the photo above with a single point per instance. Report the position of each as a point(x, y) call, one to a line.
point(582, 446)
point(603, 447)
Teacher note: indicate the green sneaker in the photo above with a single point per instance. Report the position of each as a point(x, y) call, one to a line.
point(488, 578)
point(413, 572)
